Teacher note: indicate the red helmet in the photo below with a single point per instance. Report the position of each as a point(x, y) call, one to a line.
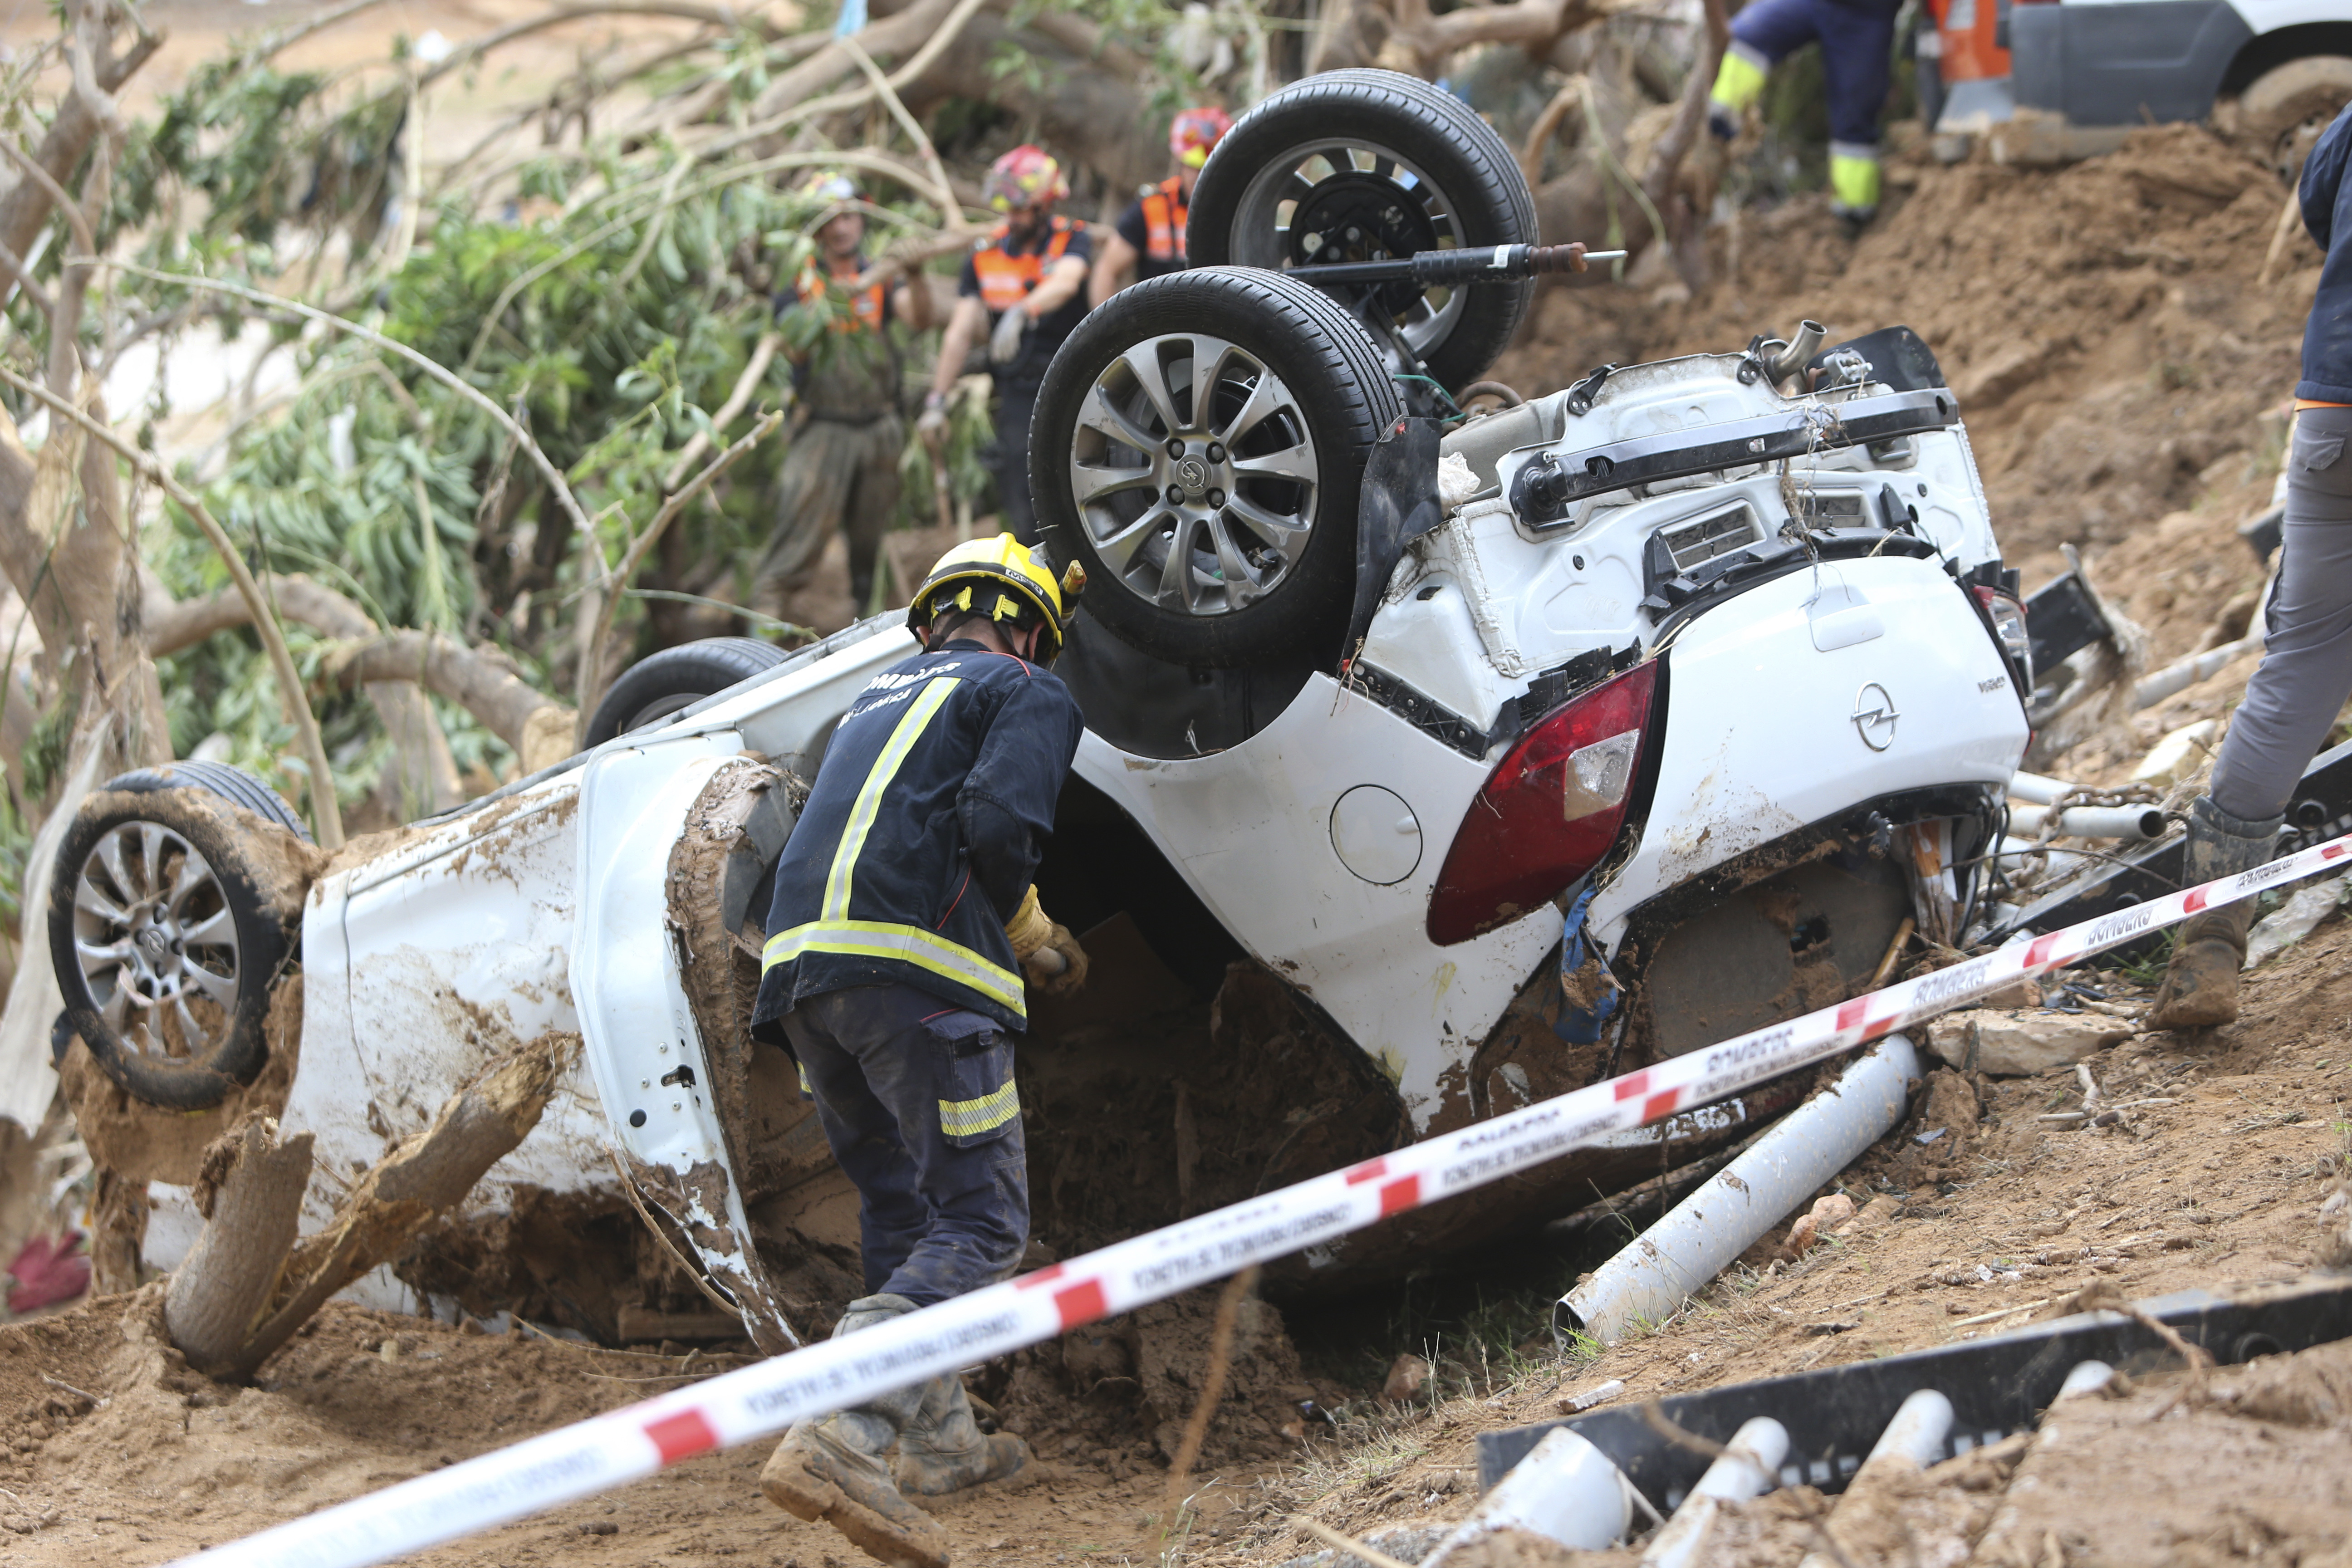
point(1195, 132)
point(1024, 177)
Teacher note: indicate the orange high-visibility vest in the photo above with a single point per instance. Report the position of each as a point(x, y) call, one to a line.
point(865, 304)
point(1005, 279)
point(1163, 220)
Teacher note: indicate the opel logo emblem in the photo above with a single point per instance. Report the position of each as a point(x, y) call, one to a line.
point(155, 943)
point(1193, 475)
point(1874, 716)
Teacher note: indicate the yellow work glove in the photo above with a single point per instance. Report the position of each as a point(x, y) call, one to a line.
point(1050, 957)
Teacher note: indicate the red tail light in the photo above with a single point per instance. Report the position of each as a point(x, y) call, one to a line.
point(1549, 813)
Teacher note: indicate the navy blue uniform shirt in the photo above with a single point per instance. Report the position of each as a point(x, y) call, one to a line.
point(2327, 336)
point(922, 835)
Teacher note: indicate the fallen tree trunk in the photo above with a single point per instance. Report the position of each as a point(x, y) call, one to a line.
point(247, 1285)
point(250, 1194)
point(536, 725)
point(424, 779)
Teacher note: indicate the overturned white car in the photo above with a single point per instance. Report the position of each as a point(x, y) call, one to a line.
point(1435, 764)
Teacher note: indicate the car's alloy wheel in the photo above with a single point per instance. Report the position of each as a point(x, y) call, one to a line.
point(156, 941)
point(170, 912)
point(1199, 446)
point(1195, 474)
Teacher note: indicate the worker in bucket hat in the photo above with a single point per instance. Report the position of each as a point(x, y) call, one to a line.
point(1149, 239)
point(1022, 291)
point(905, 938)
point(840, 470)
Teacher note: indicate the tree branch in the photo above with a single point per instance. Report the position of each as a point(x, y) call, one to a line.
point(719, 17)
point(326, 813)
point(536, 725)
point(592, 663)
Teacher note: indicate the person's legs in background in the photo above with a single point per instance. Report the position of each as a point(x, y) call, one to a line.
point(2303, 682)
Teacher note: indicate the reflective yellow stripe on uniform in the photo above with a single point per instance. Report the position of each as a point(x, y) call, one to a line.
point(911, 944)
point(868, 804)
point(970, 1118)
point(1853, 175)
point(1740, 81)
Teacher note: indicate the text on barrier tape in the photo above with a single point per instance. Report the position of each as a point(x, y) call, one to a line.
point(597, 1455)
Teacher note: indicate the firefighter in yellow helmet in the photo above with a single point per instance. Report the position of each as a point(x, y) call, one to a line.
point(905, 938)
point(1022, 291)
point(840, 470)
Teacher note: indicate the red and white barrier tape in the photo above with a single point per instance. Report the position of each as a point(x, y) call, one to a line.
point(758, 1400)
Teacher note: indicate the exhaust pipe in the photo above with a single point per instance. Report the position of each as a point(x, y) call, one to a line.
point(1792, 358)
point(2136, 823)
point(1691, 1245)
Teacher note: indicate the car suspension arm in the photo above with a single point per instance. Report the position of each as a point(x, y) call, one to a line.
point(1474, 264)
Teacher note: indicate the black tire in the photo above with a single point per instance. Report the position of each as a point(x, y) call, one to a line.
point(2282, 111)
point(676, 678)
point(232, 785)
point(164, 931)
point(1326, 392)
point(1471, 193)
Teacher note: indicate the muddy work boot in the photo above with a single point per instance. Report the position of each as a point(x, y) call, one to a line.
point(2201, 983)
point(837, 1469)
point(943, 1451)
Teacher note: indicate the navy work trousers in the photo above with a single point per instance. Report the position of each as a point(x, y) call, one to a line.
point(918, 1102)
point(1857, 40)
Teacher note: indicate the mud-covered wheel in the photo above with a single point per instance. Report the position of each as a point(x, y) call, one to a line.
point(677, 678)
point(1363, 165)
point(2284, 111)
point(1198, 446)
point(164, 931)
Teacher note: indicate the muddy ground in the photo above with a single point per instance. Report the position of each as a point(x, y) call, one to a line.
point(2123, 371)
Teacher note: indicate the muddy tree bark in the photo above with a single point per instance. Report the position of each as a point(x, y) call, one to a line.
point(250, 1194)
point(424, 1177)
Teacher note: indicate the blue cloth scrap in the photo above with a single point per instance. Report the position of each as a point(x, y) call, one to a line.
point(1581, 1026)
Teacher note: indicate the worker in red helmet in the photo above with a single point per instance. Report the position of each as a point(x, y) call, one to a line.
point(1023, 291)
point(1150, 238)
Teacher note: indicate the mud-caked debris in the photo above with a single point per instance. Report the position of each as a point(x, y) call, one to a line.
point(2018, 1045)
point(1408, 1375)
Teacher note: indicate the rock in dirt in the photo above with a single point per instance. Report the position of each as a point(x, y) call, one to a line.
point(1405, 1542)
point(2018, 1045)
point(1408, 1375)
point(2177, 756)
point(2294, 920)
point(1816, 1221)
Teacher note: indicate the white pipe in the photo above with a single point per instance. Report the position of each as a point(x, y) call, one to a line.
point(1912, 1441)
point(1565, 1490)
point(2137, 822)
point(1917, 1432)
point(2057, 860)
point(2154, 688)
point(1748, 1468)
point(2037, 789)
point(2088, 1377)
point(1722, 1219)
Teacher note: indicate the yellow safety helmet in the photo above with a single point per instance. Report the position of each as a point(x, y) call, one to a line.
point(1000, 577)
